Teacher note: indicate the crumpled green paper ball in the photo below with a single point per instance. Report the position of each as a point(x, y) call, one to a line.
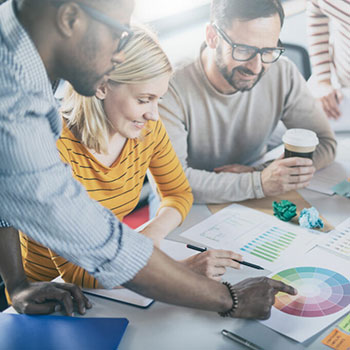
point(284, 210)
point(309, 218)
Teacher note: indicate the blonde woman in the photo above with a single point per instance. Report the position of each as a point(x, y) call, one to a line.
point(110, 141)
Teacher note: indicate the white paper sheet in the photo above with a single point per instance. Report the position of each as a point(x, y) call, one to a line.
point(176, 250)
point(343, 123)
point(324, 295)
point(260, 238)
point(338, 240)
point(326, 178)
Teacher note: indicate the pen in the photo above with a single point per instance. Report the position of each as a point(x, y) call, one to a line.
point(199, 249)
point(240, 340)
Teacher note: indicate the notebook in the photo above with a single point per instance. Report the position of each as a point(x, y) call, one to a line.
point(175, 250)
point(18, 332)
point(122, 295)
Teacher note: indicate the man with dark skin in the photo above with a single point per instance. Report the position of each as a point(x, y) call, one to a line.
point(77, 41)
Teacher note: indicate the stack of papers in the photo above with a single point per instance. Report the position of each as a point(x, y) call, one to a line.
point(325, 179)
point(260, 238)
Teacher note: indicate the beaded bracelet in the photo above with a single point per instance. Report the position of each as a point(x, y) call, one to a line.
point(234, 300)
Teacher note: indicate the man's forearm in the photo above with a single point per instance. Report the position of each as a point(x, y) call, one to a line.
point(169, 281)
point(11, 267)
point(211, 187)
point(325, 152)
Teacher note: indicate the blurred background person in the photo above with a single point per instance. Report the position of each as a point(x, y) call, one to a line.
point(329, 47)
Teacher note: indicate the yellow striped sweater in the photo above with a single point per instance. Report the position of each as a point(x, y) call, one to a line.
point(117, 187)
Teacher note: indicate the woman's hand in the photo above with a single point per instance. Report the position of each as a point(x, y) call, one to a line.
point(213, 263)
point(330, 99)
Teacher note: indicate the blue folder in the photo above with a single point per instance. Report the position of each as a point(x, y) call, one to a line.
point(19, 332)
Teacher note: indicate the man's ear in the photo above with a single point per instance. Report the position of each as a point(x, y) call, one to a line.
point(101, 91)
point(211, 36)
point(69, 18)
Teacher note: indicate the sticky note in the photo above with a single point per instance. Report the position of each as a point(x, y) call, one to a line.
point(345, 324)
point(337, 340)
point(342, 188)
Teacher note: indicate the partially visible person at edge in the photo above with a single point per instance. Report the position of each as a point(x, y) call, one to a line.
point(328, 24)
point(222, 108)
point(110, 141)
point(83, 41)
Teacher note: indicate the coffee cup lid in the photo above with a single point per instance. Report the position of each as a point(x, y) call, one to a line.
point(300, 138)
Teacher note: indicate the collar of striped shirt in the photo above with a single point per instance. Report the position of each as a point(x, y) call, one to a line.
point(17, 46)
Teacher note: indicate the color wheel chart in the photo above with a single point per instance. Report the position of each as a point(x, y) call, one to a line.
point(270, 244)
point(321, 292)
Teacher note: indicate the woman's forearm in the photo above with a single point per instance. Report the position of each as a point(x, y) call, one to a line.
point(167, 220)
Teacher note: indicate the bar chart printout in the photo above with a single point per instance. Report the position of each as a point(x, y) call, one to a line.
point(260, 238)
point(339, 239)
point(270, 244)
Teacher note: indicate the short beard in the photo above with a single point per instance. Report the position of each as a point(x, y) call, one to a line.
point(85, 87)
point(229, 76)
point(82, 74)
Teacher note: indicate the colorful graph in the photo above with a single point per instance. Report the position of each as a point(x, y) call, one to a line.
point(339, 239)
point(339, 242)
point(321, 292)
point(270, 244)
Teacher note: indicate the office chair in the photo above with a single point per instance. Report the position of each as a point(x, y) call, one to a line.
point(299, 55)
point(3, 302)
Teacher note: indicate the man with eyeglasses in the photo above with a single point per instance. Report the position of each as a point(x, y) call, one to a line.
point(80, 41)
point(221, 110)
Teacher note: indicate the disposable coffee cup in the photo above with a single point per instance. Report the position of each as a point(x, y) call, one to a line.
point(299, 143)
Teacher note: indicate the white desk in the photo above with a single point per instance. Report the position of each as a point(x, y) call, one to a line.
point(167, 327)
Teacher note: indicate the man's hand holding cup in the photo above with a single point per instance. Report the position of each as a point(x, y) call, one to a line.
point(296, 169)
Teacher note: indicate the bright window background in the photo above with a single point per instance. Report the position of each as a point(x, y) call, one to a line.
point(149, 10)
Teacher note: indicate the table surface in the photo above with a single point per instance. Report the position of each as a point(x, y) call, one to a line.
point(164, 326)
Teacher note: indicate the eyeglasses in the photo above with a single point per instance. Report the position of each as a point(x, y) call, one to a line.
point(124, 33)
point(241, 52)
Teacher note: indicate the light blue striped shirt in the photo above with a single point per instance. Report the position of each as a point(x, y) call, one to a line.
point(38, 194)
